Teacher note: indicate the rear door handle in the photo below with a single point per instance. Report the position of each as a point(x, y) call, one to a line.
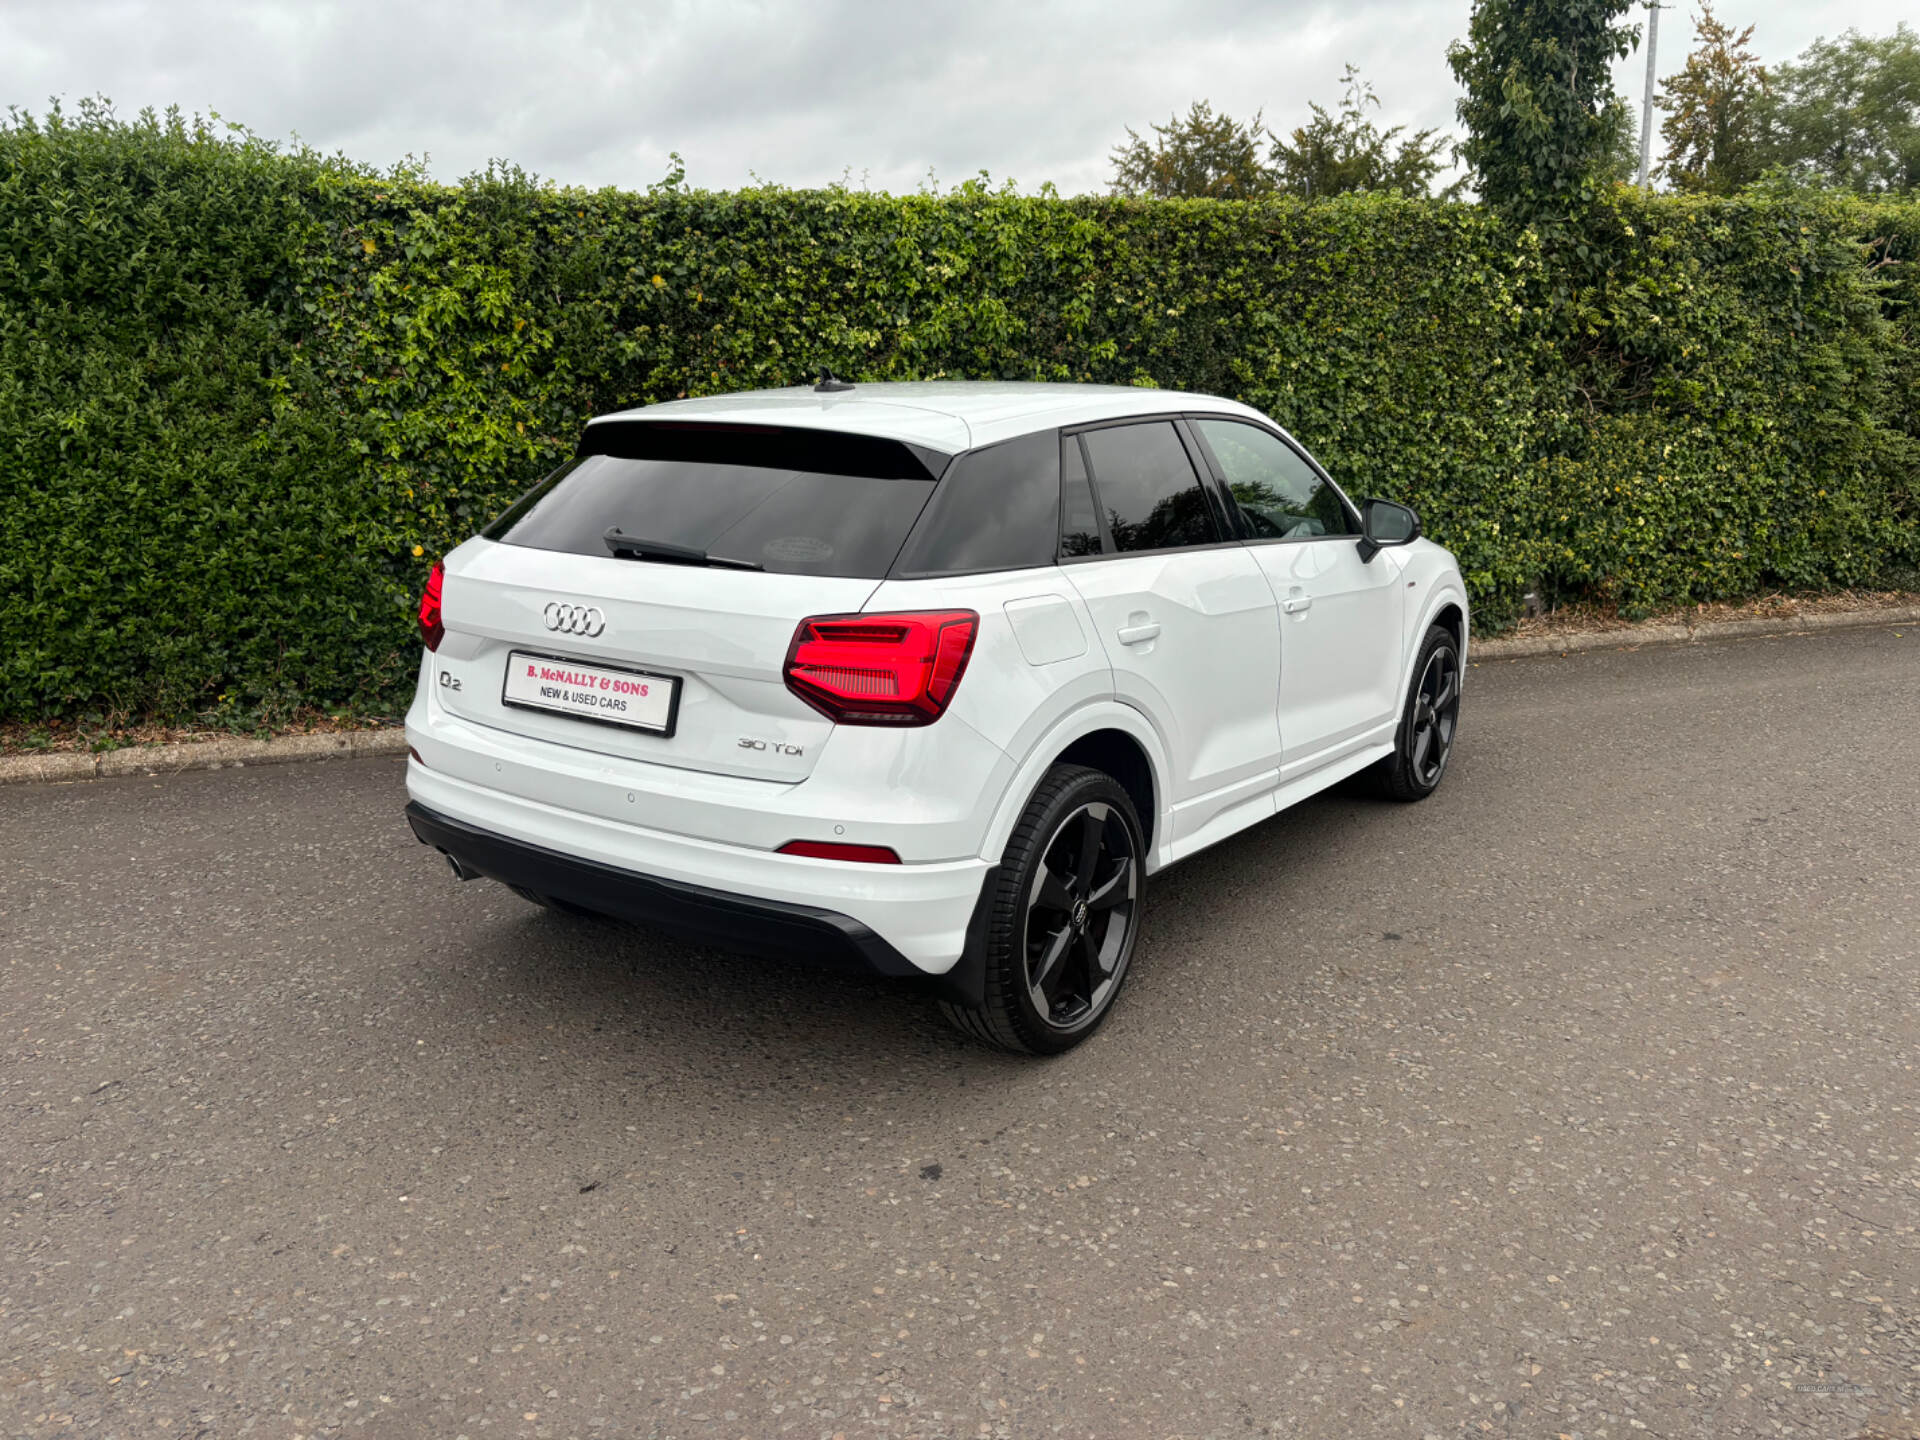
point(1138, 634)
point(1295, 604)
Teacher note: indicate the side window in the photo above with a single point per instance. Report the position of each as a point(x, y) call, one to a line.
point(1079, 521)
point(1147, 488)
point(1281, 496)
point(994, 509)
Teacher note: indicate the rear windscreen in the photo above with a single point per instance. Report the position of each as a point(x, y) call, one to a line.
point(793, 502)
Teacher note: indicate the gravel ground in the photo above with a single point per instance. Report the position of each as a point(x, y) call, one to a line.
point(1578, 1101)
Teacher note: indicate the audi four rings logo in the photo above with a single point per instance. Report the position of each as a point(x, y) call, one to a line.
point(574, 619)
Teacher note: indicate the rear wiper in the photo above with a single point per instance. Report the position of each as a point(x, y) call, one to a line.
point(633, 547)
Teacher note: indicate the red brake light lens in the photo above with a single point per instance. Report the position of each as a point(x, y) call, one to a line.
point(431, 629)
point(900, 669)
point(828, 850)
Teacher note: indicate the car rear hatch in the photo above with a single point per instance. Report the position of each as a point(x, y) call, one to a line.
point(669, 643)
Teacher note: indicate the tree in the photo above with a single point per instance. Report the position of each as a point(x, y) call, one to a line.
point(1540, 112)
point(1847, 112)
point(1716, 124)
point(1620, 162)
point(1203, 155)
point(1333, 154)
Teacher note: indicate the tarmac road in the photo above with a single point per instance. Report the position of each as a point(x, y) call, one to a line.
point(1580, 1100)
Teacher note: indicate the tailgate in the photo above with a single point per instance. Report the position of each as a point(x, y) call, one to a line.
point(717, 639)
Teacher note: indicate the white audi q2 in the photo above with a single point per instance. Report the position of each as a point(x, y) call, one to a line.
point(928, 678)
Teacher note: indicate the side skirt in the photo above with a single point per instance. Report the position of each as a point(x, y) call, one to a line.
point(1272, 803)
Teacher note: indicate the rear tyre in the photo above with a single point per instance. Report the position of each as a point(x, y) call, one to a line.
point(1065, 916)
point(1424, 742)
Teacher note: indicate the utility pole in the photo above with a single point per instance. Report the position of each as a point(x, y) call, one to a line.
point(1646, 101)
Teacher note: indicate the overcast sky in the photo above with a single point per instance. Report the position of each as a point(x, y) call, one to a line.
point(597, 93)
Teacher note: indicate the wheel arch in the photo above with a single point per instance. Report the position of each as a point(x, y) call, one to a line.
point(1110, 737)
point(1447, 607)
point(1118, 754)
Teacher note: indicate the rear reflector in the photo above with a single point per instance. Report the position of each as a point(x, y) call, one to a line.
point(898, 669)
point(828, 850)
point(431, 630)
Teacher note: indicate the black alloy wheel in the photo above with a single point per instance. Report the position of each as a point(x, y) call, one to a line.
point(1436, 713)
point(1066, 914)
point(1079, 921)
point(1429, 724)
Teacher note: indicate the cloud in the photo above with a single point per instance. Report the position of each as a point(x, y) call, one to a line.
point(598, 93)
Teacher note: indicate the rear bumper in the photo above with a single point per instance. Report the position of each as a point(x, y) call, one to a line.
point(713, 917)
point(905, 920)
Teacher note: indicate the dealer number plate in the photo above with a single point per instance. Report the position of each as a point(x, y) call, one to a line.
point(637, 699)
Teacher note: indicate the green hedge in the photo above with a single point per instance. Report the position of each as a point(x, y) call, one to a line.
point(246, 396)
point(1732, 377)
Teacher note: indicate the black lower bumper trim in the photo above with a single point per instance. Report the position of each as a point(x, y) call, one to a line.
point(714, 917)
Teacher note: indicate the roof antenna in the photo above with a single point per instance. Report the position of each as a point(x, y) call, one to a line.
point(830, 383)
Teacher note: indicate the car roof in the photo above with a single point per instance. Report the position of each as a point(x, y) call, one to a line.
point(945, 415)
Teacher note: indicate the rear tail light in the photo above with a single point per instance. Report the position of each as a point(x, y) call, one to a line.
point(431, 629)
point(881, 669)
point(830, 850)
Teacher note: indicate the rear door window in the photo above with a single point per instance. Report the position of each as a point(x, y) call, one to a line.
point(792, 502)
point(996, 509)
point(1147, 488)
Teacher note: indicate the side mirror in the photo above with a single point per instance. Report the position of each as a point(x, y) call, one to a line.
point(1383, 523)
